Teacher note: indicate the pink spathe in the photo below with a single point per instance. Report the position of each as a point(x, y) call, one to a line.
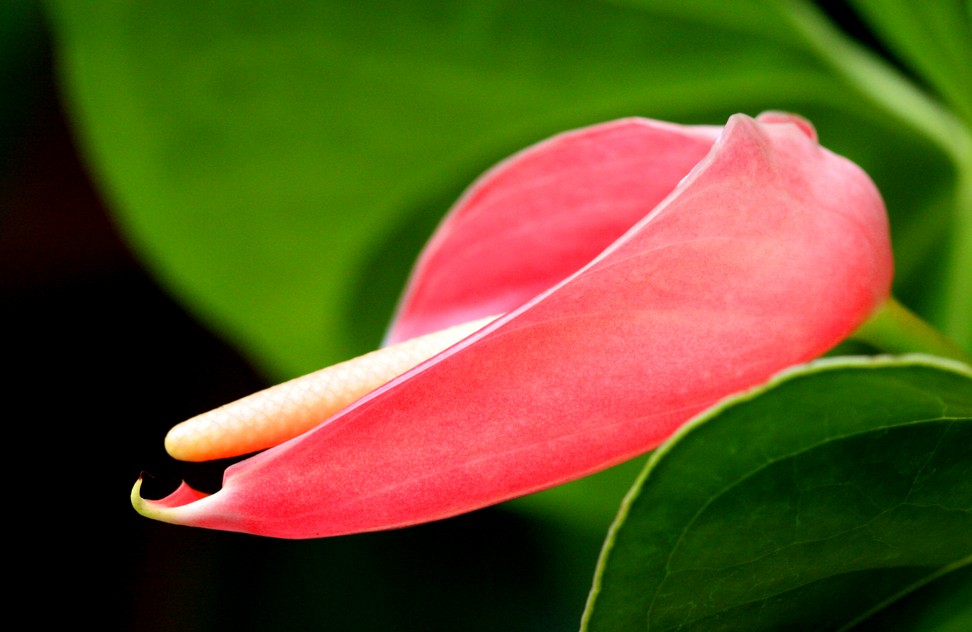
point(645, 271)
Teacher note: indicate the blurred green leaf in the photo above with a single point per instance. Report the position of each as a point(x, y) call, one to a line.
point(278, 165)
point(933, 38)
point(801, 505)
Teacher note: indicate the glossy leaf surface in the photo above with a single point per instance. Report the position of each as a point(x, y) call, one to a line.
point(802, 505)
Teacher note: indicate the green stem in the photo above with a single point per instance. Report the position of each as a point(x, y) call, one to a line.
point(877, 81)
point(895, 329)
point(957, 316)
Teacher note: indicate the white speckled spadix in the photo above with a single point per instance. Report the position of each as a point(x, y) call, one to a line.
point(281, 412)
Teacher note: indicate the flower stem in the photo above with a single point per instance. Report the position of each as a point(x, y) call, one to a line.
point(895, 329)
point(957, 316)
point(874, 79)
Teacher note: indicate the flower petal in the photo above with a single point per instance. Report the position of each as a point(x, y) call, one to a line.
point(540, 215)
point(767, 254)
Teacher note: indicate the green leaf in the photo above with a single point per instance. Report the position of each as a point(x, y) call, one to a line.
point(933, 38)
point(805, 504)
point(278, 165)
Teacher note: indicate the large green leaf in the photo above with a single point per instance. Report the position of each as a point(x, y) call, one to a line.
point(802, 505)
point(278, 165)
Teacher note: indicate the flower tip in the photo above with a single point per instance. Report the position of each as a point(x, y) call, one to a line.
point(139, 503)
point(165, 509)
point(775, 116)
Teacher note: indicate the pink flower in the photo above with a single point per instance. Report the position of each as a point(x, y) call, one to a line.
point(641, 271)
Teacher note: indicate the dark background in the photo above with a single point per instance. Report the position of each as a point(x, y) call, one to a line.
point(102, 363)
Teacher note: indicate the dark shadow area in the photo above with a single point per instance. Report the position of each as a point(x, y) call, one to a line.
point(102, 362)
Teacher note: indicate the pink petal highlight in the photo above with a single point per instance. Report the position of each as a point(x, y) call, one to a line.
point(540, 215)
point(765, 252)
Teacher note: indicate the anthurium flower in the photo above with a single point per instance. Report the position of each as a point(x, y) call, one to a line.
point(619, 280)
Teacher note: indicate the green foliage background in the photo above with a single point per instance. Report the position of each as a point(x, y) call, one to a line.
point(277, 166)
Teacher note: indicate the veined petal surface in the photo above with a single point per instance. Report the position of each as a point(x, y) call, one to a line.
point(766, 253)
point(542, 214)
